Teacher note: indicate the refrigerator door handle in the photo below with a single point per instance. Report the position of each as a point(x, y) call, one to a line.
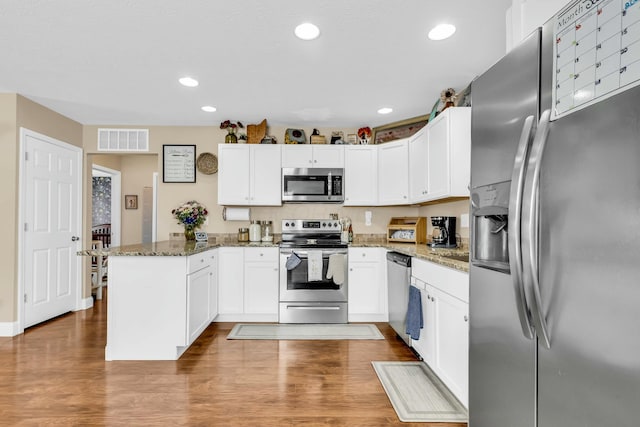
point(514, 225)
point(530, 229)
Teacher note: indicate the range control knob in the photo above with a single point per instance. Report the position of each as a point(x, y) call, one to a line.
point(324, 224)
point(286, 224)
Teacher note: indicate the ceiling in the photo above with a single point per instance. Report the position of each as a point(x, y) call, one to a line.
point(117, 62)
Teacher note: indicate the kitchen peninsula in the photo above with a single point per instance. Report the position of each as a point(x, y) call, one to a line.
point(162, 296)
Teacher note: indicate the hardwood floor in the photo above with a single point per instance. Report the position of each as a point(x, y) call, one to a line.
point(55, 375)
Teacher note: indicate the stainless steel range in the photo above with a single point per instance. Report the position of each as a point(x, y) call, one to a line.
point(313, 272)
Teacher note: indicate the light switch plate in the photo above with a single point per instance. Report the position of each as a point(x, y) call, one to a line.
point(367, 217)
point(464, 220)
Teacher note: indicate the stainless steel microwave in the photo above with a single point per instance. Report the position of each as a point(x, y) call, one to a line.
point(313, 185)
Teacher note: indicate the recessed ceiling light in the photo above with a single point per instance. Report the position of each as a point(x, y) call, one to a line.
point(188, 82)
point(385, 110)
point(307, 31)
point(442, 31)
point(209, 109)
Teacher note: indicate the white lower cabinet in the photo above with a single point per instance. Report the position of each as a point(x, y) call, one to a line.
point(261, 278)
point(248, 284)
point(444, 340)
point(198, 302)
point(159, 305)
point(367, 285)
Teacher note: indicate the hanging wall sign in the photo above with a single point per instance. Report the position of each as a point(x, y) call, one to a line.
point(178, 163)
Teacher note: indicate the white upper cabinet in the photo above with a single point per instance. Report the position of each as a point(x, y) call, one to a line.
point(418, 166)
point(449, 154)
point(393, 173)
point(361, 175)
point(312, 156)
point(249, 175)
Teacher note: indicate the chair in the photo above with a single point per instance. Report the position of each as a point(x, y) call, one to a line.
point(98, 269)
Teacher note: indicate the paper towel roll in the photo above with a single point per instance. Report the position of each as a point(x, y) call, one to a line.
point(235, 214)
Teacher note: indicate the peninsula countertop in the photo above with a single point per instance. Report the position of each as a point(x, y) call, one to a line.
point(184, 248)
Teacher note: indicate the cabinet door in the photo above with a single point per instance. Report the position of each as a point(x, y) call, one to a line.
point(198, 298)
point(261, 287)
point(233, 174)
point(418, 167)
point(212, 256)
point(367, 290)
point(297, 156)
point(230, 280)
point(453, 344)
point(438, 157)
point(265, 175)
point(430, 317)
point(393, 174)
point(328, 156)
point(361, 175)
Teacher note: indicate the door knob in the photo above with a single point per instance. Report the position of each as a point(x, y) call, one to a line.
point(75, 238)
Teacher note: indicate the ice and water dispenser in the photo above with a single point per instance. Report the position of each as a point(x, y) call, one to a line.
point(489, 226)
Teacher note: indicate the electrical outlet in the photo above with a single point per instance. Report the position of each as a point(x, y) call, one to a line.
point(367, 217)
point(464, 220)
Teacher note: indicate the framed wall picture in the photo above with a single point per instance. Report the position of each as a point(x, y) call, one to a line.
point(398, 130)
point(179, 163)
point(131, 201)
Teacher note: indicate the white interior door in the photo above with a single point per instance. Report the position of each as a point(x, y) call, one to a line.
point(51, 197)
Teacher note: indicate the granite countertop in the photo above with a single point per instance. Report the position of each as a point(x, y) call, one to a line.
point(183, 248)
point(421, 251)
point(174, 247)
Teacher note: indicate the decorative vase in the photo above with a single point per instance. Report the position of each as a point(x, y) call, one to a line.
point(231, 138)
point(189, 234)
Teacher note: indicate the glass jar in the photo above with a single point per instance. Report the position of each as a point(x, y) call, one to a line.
point(267, 231)
point(243, 234)
point(255, 231)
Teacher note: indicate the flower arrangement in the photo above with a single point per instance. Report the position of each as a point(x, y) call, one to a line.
point(364, 134)
point(191, 215)
point(231, 126)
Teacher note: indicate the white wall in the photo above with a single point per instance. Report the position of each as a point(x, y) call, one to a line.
point(524, 16)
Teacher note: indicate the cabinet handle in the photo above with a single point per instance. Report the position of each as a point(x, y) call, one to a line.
point(404, 197)
point(351, 269)
point(201, 260)
point(315, 161)
point(466, 318)
point(261, 254)
point(364, 254)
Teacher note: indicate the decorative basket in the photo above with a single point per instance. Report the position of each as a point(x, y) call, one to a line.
point(207, 163)
point(318, 139)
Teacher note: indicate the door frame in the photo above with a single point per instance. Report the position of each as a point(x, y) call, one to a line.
point(116, 201)
point(22, 186)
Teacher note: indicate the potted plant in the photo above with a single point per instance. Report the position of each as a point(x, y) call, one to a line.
point(191, 215)
point(231, 127)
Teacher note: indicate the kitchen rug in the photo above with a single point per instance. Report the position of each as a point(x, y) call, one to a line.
point(417, 394)
point(269, 331)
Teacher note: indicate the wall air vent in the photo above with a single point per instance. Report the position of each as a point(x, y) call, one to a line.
point(123, 140)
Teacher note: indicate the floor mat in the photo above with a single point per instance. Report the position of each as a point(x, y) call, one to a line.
point(268, 331)
point(417, 394)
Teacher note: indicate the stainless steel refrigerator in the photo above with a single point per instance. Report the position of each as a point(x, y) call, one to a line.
point(555, 230)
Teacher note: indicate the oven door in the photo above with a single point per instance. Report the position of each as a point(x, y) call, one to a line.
point(295, 285)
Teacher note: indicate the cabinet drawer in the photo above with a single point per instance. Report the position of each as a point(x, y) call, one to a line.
point(453, 282)
point(199, 261)
point(364, 255)
point(261, 254)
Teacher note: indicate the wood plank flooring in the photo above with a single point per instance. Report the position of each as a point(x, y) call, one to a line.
point(55, 375)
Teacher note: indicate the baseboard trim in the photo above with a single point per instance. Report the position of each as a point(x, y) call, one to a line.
point(85, 303)
point(10, 329)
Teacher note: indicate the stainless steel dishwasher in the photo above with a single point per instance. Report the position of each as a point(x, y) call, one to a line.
point(399, 280)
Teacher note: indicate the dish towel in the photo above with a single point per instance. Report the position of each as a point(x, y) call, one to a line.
point(335, 269)
point(314, 266)
point(414, 313)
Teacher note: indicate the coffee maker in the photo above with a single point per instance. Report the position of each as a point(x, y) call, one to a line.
point(444, 232)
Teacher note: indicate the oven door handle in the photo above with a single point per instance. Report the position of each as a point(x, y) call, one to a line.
point(313, 307)
point(304, 253)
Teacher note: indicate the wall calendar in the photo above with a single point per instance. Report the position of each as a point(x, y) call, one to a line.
point(596, 52)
